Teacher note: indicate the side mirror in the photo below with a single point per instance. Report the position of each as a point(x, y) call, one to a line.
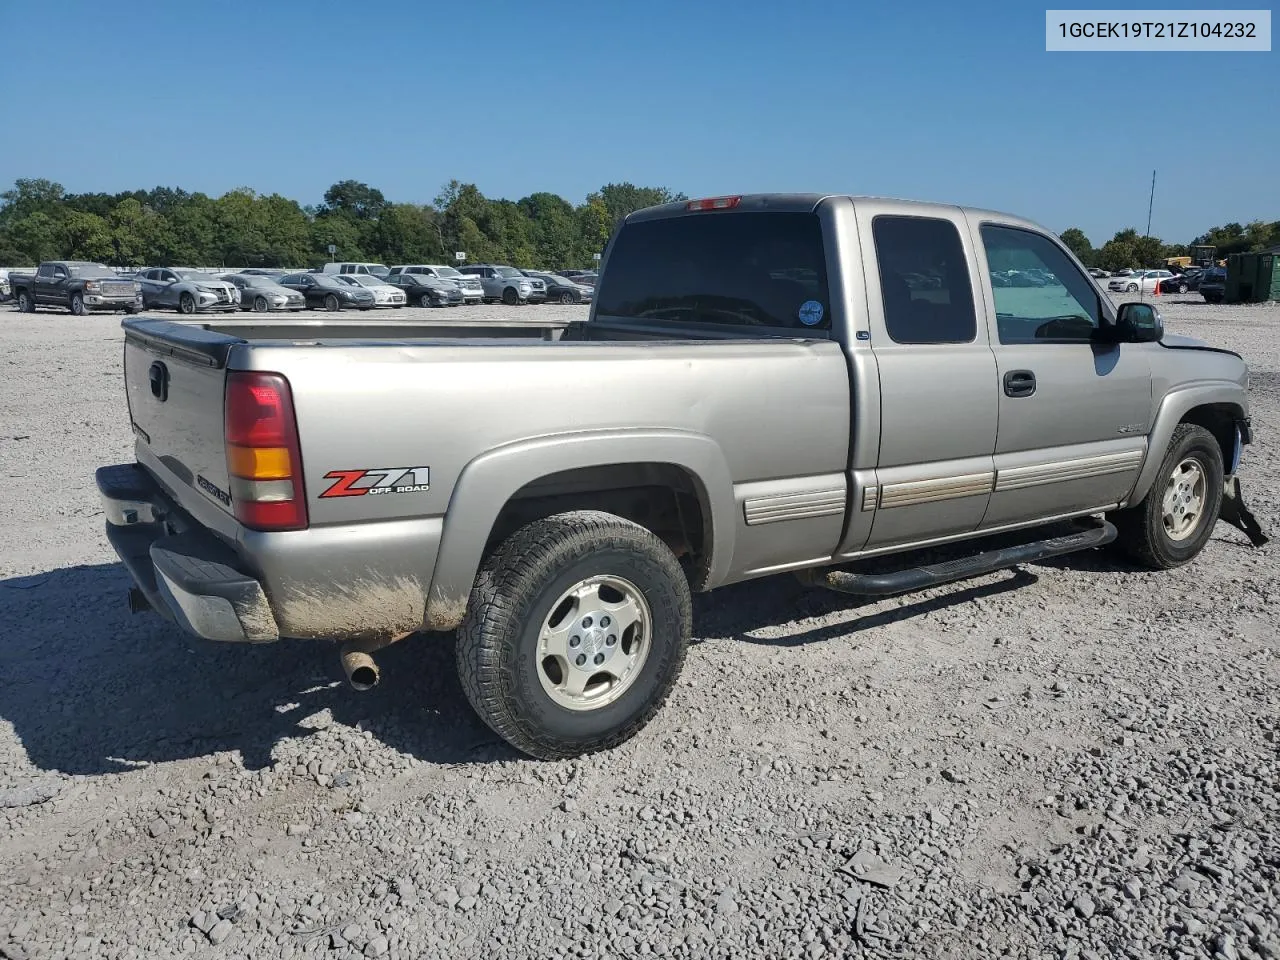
point(1139, 323)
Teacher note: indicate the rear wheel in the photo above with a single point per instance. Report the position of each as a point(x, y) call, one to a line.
point(260, 305)
point(77, 305)
point(25, 302)
point(331, 303)
point(1176, 518)
point(575, 632)
point(187, 303)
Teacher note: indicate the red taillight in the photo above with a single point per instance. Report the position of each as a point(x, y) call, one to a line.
point(713, 203)
point(263, 457)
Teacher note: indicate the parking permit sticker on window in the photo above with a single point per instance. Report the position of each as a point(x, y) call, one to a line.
point(811, 313)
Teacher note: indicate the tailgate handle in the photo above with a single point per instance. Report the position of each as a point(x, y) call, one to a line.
point(159, 376)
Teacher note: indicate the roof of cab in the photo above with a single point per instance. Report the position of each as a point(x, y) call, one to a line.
point(807, 202)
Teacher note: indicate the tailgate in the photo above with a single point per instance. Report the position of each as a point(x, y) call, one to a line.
point(174, 379)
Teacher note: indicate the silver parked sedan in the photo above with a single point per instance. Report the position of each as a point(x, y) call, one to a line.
point(186, 290)
point(262, 294)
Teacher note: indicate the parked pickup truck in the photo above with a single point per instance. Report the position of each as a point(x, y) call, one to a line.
point(77, 286)
point(764, 384)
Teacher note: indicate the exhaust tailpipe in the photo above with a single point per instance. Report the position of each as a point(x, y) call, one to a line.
point(361, 669)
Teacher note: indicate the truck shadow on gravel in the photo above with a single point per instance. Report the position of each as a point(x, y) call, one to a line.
point(741, 610)
point(90, 689)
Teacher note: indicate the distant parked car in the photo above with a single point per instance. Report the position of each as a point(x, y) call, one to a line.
point(1144, 280)
point(1213, 284)
point(562, 289)
point(384, 294)
point(507, 284)
point(264, 272)
point(1126, 272)
point(5, 290)
point(187, 290)
point(1186, 282)
point(1098, 273)
point(373, 269)
point(327, 292)
point(262, 294)
point(424, 290)
point(472, 288)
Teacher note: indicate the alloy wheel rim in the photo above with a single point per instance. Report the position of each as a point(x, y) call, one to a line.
point(594, 642)
point(1184, 500)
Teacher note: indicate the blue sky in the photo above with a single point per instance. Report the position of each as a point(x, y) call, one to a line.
point(926, 100)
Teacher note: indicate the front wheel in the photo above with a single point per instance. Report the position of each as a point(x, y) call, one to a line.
point(260, 305)
point(510, 297)
point(1176, 518)
point(567, 298)
point(424, 300)
point(1132, 288)
point(77, 305)
point(575, 632)
point(187, 303)
point(331, 303)
point(1182, 288)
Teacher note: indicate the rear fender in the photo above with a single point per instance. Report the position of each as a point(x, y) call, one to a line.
point(488, 482)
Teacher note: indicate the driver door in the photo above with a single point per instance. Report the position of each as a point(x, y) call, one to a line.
point(1073, 413)
point(166, 288)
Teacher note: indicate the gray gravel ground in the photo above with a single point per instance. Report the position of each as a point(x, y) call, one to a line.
point(1070, 760)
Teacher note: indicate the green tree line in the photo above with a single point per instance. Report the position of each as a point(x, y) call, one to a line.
point(167, 226)
point(1128, 249)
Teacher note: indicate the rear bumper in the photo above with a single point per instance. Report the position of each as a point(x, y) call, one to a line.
point(185, 573)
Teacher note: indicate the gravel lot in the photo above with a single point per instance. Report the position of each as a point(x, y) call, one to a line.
point(1073, 759)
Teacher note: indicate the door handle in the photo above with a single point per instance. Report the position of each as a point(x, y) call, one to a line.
point(1019, 383)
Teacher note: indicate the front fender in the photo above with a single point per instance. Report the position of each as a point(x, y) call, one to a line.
point(489, 481)
point(1173, 408)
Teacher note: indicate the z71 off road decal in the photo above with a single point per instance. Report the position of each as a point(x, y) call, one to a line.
point(375, 481)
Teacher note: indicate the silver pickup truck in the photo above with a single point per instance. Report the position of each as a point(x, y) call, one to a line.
point(827, 385)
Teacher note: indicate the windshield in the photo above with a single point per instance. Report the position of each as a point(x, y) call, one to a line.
point(365, 280)
point(195, 275)
point(447, 272)
point(348, 279)
point(94, 270)
point(748, 269)
point(507, 272)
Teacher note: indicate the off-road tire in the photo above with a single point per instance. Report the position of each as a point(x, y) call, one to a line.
point(512, 596)
point(1142, 535)
point(77, 305)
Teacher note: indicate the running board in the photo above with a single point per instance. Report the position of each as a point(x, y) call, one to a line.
point(917, 578)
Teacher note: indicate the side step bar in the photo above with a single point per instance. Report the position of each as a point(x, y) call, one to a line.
point(1097, 534)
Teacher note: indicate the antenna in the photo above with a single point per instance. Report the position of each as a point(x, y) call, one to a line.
point(1151, 203)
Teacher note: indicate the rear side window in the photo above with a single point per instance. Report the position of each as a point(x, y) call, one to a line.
point(924, 280)
point(743, 269)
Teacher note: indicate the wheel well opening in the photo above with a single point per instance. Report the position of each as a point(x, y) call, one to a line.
point(662, 497)
point(1220, 420)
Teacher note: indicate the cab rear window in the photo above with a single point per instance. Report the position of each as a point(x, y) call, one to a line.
point(746, 269)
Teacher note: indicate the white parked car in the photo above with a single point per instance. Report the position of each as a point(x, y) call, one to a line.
point(472, 289)
point(384, 294)
point(372, 269)
point(1144, 280)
